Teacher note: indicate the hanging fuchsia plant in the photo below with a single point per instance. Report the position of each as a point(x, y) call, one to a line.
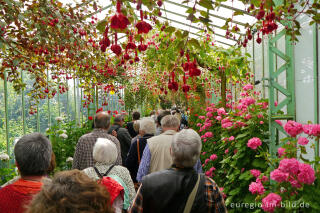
point(172, 85)
point(185, 87)
point(105, 42)
point(191, 67)
point(116, 49)
point(119, 21)
point(142, 47)
point(142, 26)
point(131, 45)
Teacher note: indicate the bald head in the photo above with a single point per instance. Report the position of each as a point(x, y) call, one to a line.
point(102, 120)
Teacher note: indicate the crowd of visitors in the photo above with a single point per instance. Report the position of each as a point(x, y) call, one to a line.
point(157, 156)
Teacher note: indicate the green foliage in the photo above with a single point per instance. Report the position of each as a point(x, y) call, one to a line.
point(7, 173)
point(65, 147)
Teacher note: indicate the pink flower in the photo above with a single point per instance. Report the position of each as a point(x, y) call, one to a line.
point(208, 173)
point(306, 173)
point(208, 134)
point(253, 143)
point(279, 175)
point(256, 188)
point(210, 109)
point(312, 129)
point(212, 169)
point(201, 117)
point(261, 122)
point(209, 114)
point(226, 151)
point(206, 161)
point(235, 151)
point(303, 141)
point(276, 103)
point(247, 101)
point(281, 151)
point(260, 116)
point(247, 117)
point(203, 153)
point(289, 166)
point(231, 138)
point(264, 179)
point(242, 170)
point(247, 87)
point(218, 118)
point(213, 157)
point(293, 128)
point(226, 125)
point(278, 122)
point(198, 124)
point(221, 111)
point(294, 183)
point(256, 173)
point(270, 202)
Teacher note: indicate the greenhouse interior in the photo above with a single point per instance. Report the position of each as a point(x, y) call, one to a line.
point(159, 106)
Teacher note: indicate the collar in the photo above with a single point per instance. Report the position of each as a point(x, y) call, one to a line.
point(169, 132)
point(100, 130)
point(181, 169)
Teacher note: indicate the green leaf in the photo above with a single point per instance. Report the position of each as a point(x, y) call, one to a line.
point(235, 191)
point(259, 163)
point(245, 176)
point(185, 34)
point(237, 13)
point(178, 34)
point(169, 29)
point(195, 43)
point(206, 4)
point(101, 26)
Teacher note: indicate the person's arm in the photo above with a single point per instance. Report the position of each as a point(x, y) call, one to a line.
point(137, 205)
point(144, 164)
point(214, 197)
point(198, 167)
point(132, 158)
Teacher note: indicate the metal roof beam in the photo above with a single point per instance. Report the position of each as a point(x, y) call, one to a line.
point(213, 15)
point(233, 8)
point(82, 4)
point(221, 42)
point(98, 11)
point(197, 28)
point(178, 14)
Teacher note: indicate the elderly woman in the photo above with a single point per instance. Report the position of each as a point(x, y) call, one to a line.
point(105, 154)
point(71, 191)
point(147, 130)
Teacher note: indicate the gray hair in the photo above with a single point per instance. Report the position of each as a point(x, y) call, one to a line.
point(105, 151)
point(170, 121)
point(33, 154)
point(148, 126)
point(102, 120)
point(118, 119)
point(186, 147)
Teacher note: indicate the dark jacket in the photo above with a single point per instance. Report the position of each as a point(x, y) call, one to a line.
point(132, 163)
point(168, 191)
point(124, 139)
point(131, 129)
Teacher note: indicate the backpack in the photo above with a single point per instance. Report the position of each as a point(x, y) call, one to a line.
point(114, 188)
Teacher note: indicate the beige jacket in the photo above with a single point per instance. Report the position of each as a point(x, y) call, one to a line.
point(160, 151)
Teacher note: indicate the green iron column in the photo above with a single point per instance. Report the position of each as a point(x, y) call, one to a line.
point(316, 80)
point(48, 101)
point(23, 105)
point(6, 109)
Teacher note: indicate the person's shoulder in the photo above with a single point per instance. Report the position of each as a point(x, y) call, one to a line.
point(159, 174)
point(121, 169)
point(85, 136)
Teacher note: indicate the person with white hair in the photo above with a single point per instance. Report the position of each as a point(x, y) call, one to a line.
point(180, 189)
point(105, 155)
point(156, 155)
point(147, 130)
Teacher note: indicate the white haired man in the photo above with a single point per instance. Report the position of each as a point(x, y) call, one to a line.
point(180, 189)
point(156, 155)
point(147, 130)
point(105, 154)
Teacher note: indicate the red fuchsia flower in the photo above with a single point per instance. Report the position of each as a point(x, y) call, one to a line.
point(306, 174)
point(256, 173)
point(90, 118)
point(256, 188)
point(289, 165)
point(293, 128)
point(281, 151)
point(254, 143)
point(99, 110)
point(213, 157)
point(303, 141)
point(119, 21)
point(279, 176)
point(116, 49)
point(278, 122)
point(142, 26)
point(270, 202)
point(248, 87)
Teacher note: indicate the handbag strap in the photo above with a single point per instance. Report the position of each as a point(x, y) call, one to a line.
point(191, 197)
point(138, 149)
point(105, 174)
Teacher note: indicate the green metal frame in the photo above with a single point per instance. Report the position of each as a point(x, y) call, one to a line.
point(316, 80)
point(5, 76)
point(275, 87)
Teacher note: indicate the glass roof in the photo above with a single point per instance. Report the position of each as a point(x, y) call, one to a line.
point(174, 12)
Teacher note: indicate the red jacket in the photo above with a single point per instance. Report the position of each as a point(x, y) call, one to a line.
point(15, 197)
